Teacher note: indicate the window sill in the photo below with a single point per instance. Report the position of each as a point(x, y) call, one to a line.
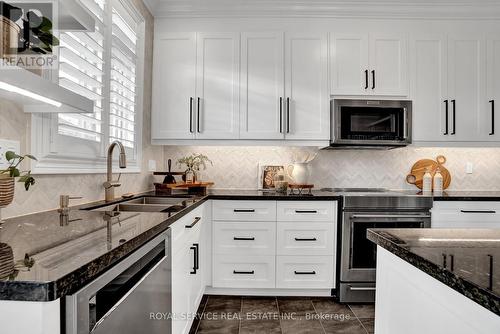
point(55, 166)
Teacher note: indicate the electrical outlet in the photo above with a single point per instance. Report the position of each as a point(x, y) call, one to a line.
point(469, 168)
point(152, 165)
point(5, 146)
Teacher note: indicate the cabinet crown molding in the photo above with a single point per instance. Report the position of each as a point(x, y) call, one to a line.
point(395, 9)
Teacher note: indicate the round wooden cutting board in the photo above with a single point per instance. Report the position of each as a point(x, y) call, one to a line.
point(418, 170)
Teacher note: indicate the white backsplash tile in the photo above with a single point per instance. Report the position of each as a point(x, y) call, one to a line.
point(236, 167)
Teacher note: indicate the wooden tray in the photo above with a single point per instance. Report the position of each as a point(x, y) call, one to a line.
point(418, 170)
point(197, 188)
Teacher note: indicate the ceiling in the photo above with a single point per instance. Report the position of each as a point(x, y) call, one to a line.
point(327, 8)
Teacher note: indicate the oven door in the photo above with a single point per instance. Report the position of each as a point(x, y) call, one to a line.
point(359, 255)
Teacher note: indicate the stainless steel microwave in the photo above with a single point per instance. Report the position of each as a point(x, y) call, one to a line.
point(381, 124)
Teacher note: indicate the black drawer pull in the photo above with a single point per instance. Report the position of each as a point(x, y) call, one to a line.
point(196, 221)
point(306, 239)
point(305, 273)
point(306, 211)
point(244, 239)
point(244, 210)
point(243, 272)
point(478, 211)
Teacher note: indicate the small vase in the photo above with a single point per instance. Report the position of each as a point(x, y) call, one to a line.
point(190, 176)
point(7, 185)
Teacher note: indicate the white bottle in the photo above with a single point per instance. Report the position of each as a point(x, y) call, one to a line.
point(438, 181)
point(427, 182)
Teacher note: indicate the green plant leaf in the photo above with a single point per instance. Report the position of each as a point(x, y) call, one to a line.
point(30, 181)
point(9, 155)
point(14, 172)
point(46, 25)
point(32, 157)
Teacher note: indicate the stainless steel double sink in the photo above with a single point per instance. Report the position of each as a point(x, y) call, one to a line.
point(147, 204)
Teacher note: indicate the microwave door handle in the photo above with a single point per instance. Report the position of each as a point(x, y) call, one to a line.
point(405, 126)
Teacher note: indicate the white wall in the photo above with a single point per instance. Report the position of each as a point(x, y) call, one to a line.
point(15, 125)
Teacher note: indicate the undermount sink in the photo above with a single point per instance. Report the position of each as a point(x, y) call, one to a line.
point(146, 204)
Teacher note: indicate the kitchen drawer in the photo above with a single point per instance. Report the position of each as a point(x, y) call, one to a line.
point(180, 232)
point(244, 210)
point(466, 215)
point(302, 272)
point(298, 238)
point(255, 238)
point(307, 211)
point(235, 271)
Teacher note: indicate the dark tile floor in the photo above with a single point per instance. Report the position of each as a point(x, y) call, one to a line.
point(281, 315)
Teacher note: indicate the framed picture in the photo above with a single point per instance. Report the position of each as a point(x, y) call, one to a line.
point(266, 175)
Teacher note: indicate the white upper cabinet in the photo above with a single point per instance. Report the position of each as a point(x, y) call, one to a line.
point(307, 102)
point(369, 64)
point(174, 86)
point(429, 72)
point(466, 86)
point(389, 64)
point(217, 91)
point(349, 64)
point(262, 86)
point(491, 118)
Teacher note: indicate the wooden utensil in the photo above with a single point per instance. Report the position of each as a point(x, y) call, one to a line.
point(418, 170)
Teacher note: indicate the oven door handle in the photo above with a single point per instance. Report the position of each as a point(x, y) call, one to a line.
point(389, 216)
point(361, 288)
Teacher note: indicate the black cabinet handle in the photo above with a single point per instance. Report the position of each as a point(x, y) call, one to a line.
point(447, 116)
point(287, 115)
point(492, 117)
point(199, 120)
point(373, 77)
point(281, 115)
point(305, 273)
point(244, 239)
point(366, 79)
point(195, 248)
point(306, 211)
point(454, 117)
point(243, 210)
point(306, 239)
point(196, 220)
point(478, 211)
point(452, 262)
point(244, 272)
point(191, 115)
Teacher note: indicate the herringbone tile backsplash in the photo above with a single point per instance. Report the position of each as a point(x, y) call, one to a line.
point(237, 167)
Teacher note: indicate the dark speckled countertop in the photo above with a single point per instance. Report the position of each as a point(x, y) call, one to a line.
point(52, 261)
point(466, 260)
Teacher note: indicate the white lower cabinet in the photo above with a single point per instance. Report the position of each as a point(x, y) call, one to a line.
point(304, 272)
point(293, 249)
point(240, 271)
point(469, 214)
point(188, 269)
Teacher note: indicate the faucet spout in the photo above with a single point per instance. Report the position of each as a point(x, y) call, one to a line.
point(110, 185)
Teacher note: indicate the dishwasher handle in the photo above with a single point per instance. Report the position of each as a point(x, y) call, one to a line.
point(390, 216)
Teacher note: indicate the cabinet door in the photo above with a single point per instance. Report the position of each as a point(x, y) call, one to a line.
point(174, 83)
point(466, 73)
point(196, 276)
point(306, 87)
point(217, 86)
point(262, 86)
point(349, 64)
point(389, 64)
point(428, 67)
point(182, 263)
point(491, 118)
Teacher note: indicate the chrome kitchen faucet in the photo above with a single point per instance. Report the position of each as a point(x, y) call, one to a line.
point(110, 185)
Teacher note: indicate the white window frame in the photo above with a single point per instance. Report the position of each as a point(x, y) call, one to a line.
point(59, 154)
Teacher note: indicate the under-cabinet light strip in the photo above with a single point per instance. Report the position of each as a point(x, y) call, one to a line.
point(21, 91)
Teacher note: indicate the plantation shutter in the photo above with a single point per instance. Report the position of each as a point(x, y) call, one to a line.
point(123, 85)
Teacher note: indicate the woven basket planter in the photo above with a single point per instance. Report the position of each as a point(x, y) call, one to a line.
point(9, 36)
point(6, 261)
point(7, 185)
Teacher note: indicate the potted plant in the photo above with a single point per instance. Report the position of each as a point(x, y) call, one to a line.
point(8, 176)
point(194, 163)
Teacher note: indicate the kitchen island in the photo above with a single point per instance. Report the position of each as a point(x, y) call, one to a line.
point(437, 281)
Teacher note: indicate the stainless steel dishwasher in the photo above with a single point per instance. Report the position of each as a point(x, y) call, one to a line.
point(134, 296)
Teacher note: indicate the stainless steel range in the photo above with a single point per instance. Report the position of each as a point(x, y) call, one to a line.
point(365, 209)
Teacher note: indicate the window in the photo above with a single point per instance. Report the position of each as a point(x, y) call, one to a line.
point(105, 66)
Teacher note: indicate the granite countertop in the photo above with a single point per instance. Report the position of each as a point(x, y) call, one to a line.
point(52, 261)
point(466, 260)
point(468, 196)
